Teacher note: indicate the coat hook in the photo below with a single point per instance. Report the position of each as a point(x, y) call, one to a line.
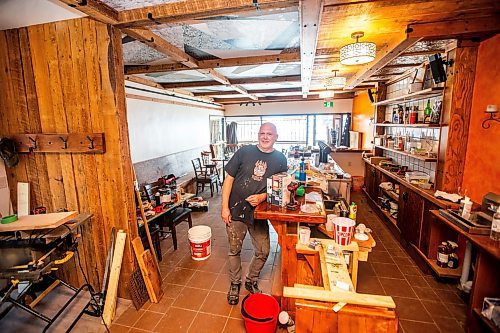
point(91, 142)
point(65, 142)
point(34, 145)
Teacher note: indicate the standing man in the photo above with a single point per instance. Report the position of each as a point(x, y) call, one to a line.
point(244, 188)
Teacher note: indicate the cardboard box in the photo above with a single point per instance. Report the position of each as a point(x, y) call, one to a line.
point(277, 192)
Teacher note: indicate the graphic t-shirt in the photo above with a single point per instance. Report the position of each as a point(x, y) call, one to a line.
point(250, 168)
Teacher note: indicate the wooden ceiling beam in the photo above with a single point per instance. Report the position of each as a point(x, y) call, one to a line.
point(297, 90)
point(310, 21)
point(280, 98)
point(463, 28)
point(383, 57)
point(256, 80)
point(175, 92)
point(231, 62)
point(191, 10)
point(161, 45)
point(421, 53)
point(95, 9)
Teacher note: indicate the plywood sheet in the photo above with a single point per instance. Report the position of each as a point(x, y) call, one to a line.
point(42, 221)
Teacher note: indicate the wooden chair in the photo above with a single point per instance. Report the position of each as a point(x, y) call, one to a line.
point(150, 189)
point(208, 163)
point(204, 177)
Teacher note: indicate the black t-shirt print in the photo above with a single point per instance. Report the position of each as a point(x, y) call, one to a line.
point(250, 168)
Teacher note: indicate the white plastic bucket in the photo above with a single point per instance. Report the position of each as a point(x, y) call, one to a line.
point(344, 229)
point(200, 242)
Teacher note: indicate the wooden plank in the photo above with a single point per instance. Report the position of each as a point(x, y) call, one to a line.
point(41, 221)
point(112, 291)
point(463, 28)
point(257, 80)
point(152, 274)
point(44, 293)
point(310, 19)
point(161, 45)
point(384, 56)
point(171, 102)
point(340, 296)
point(279, 98)
point(230, 62)
point(153, 84)
point(192, 10)
point(149, 271)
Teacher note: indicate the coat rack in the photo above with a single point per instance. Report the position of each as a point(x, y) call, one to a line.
point(87, 143)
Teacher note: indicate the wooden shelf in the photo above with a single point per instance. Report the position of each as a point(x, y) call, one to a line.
point(487, 322)
point(440, 271)
point(390, 194)
point(421, 158)
point(407, 125)
point(422, 94)
point(387, 215)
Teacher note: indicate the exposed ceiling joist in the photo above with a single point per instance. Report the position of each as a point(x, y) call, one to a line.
point(383, 57)
point(280, 98)
point(231, 62)
point(464, 28)
point(244, 92)
point(257, 80)
point(95, 9)
point(161, 45)
point(192, 10)
point(420, 53)
point(175, 92)
point(297, 90)
point(225, 81)
point(310, 20)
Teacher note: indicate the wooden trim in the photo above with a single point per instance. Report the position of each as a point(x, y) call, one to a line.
point(165, 101)
point(310, 20)
point(459, 117)
point(280, 98)
point(192, 10)
point(384, 56)
point(153, 84)
point(231, 62)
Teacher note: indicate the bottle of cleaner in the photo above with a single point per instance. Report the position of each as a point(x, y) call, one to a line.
point(302, 170)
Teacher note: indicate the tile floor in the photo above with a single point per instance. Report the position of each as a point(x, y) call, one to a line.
point(195, 292)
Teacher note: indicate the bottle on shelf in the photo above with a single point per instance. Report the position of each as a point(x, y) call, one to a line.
point(443, 255)
point(400, 114)
point(495, 226)
point(427, 112)
point(395, 119)
point(407, 115)
point(414, 115)
point(302, 170)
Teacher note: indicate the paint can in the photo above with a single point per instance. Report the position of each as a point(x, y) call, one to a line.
point(200, 242)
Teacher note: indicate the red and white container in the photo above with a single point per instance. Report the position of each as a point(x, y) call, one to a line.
point(343, 230)
point(200, 242)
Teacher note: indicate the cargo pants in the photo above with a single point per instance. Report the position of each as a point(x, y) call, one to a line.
point(259, 233)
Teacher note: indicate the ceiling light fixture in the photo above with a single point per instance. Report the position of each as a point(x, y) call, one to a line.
point(357, 53)
point(335, 82)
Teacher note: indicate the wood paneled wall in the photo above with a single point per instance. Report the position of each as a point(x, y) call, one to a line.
point(67, 77)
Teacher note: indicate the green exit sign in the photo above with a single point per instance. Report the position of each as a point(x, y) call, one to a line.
point(328, 104)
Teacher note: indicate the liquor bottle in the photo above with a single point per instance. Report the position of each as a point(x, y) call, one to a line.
point(495, 226)
point(395, 116)
point(427, 112)
point(407, 115)
point(401, 117)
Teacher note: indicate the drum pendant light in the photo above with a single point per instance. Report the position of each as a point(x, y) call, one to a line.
point(357, 53)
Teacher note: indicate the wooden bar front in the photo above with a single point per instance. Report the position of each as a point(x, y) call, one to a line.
point(286, 223)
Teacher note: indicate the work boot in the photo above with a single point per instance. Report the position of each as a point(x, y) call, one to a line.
point(252, 287)
point(233, 295)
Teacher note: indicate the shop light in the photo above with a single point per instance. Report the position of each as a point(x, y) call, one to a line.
point(357, 53)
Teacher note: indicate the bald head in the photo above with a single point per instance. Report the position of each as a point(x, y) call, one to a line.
point(267, 137)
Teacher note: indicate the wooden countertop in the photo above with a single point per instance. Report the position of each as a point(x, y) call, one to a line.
point(277, 213)
point(484, 242)
point(427, 194)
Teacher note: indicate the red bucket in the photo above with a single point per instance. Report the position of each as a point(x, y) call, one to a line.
point(260, 313)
